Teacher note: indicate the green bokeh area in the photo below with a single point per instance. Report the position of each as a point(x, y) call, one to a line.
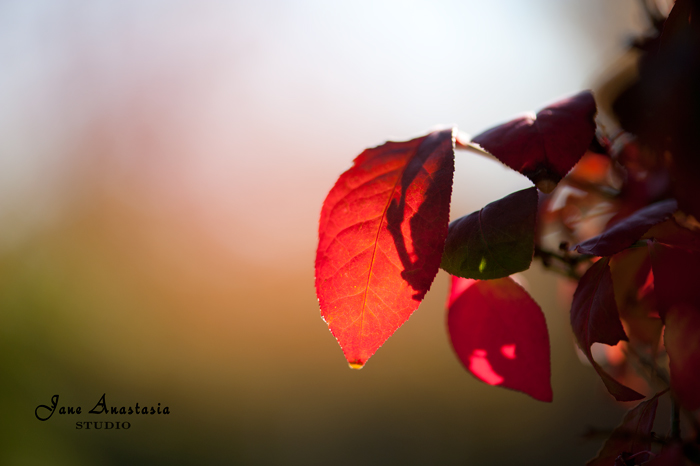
point(162, 169)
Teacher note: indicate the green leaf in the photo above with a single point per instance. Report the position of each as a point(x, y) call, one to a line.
point(496, 241)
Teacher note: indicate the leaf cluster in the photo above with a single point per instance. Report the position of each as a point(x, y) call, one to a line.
point(614, 211)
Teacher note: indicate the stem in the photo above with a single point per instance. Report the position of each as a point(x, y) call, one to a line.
point(675, 420)
point(593, 433)
point(653, 13)
point(569, 262)
point(640, 453)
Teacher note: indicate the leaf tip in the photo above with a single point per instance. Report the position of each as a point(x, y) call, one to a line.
point(482, 264)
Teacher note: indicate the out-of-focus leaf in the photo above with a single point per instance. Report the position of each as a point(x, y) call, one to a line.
point(646, 178)
point(496, 241)
point(457, 287)
point(676, 276)
point(682, 340)
point(544, 147)
point(627, 231)
point(592, 169)
point(381, 235)
point(594, 319)
point(632, 436)
point(499, 333)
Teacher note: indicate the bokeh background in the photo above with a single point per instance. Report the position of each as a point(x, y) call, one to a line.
point(162, 168)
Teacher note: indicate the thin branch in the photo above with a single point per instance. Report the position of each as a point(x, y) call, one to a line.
point(675, 419)
point(593, 433)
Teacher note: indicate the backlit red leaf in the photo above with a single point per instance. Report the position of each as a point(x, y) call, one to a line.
point(633, 283)
point(676, 276)
point(496, 241)
point(381, 235)
point(544, 147)
point(627, 231)
point(631, 437)
point(500, 335)
point(594, 319)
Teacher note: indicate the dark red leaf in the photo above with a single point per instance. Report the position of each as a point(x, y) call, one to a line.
point(627, 231)
point(671, 233)
point(594, 319)
point(381, 235)
point(632, 436)
point(499, 333)
point(676, 276)
point(496, 241)
point(682, 340)
point(546, 146)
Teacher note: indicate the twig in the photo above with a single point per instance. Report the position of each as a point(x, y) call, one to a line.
point(648, 363)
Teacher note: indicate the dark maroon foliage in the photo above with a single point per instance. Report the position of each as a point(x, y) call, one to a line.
point(499, 333)
point(496, 241)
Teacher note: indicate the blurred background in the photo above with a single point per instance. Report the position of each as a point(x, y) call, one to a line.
point(162, 169)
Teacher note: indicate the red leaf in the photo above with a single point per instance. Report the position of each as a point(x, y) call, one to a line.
point(499, 333)
point(381, 236)
point(632, 436)
point(546, 146)
point(627, 231)
point(677, 21)
point(682, 340)
point(594, 319)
